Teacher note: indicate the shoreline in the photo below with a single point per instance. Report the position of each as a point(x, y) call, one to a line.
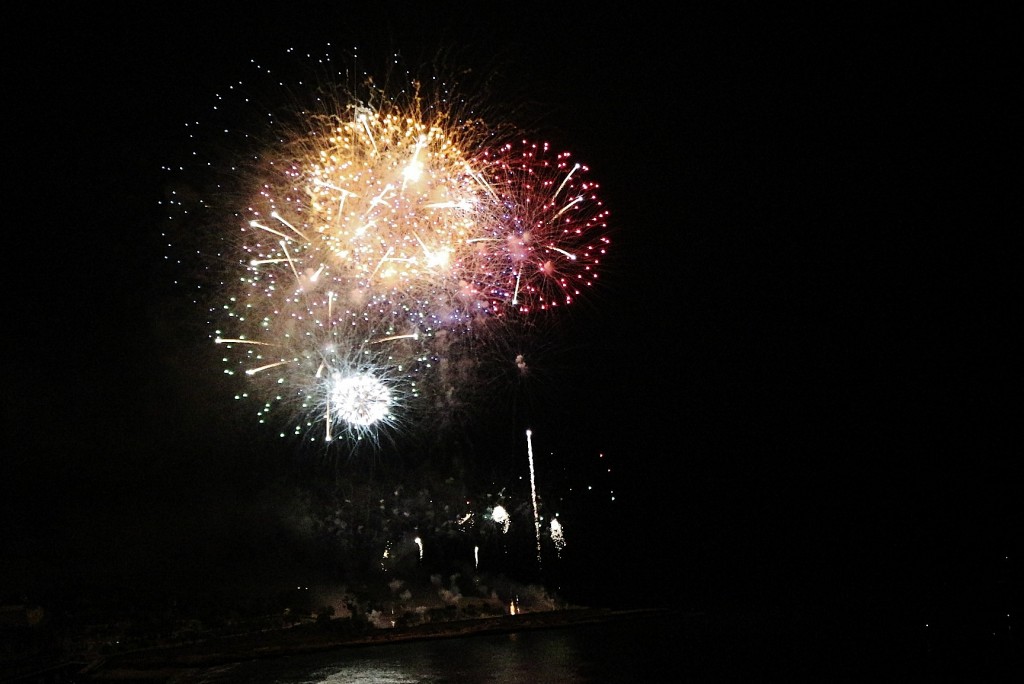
point(161, 663)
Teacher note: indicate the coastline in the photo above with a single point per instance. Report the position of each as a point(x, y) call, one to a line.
point(163, 663)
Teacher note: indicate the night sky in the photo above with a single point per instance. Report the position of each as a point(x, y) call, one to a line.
point(794, 366)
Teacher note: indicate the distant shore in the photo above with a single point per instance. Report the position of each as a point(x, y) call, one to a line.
point(159, 664)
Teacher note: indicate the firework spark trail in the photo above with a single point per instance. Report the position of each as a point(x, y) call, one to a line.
point(533, 491)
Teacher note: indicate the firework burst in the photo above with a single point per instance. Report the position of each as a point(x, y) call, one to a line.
point(548, 234)
point(367, 247)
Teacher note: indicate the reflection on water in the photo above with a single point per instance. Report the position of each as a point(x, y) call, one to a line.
point(607, 652)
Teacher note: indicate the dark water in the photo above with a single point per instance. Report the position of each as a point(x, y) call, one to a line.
point(664, 648)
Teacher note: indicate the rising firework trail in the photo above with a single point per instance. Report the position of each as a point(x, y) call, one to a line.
point(533, 492)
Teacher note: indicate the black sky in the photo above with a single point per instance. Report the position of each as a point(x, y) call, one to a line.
point(796, 364)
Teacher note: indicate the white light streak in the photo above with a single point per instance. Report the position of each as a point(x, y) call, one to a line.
point(533, 491)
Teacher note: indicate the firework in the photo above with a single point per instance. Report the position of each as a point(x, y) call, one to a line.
point(548, 234)
point(369, 247)
point(533, 491)
point(557, 535)
point(501, 516)
point(383, 208)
